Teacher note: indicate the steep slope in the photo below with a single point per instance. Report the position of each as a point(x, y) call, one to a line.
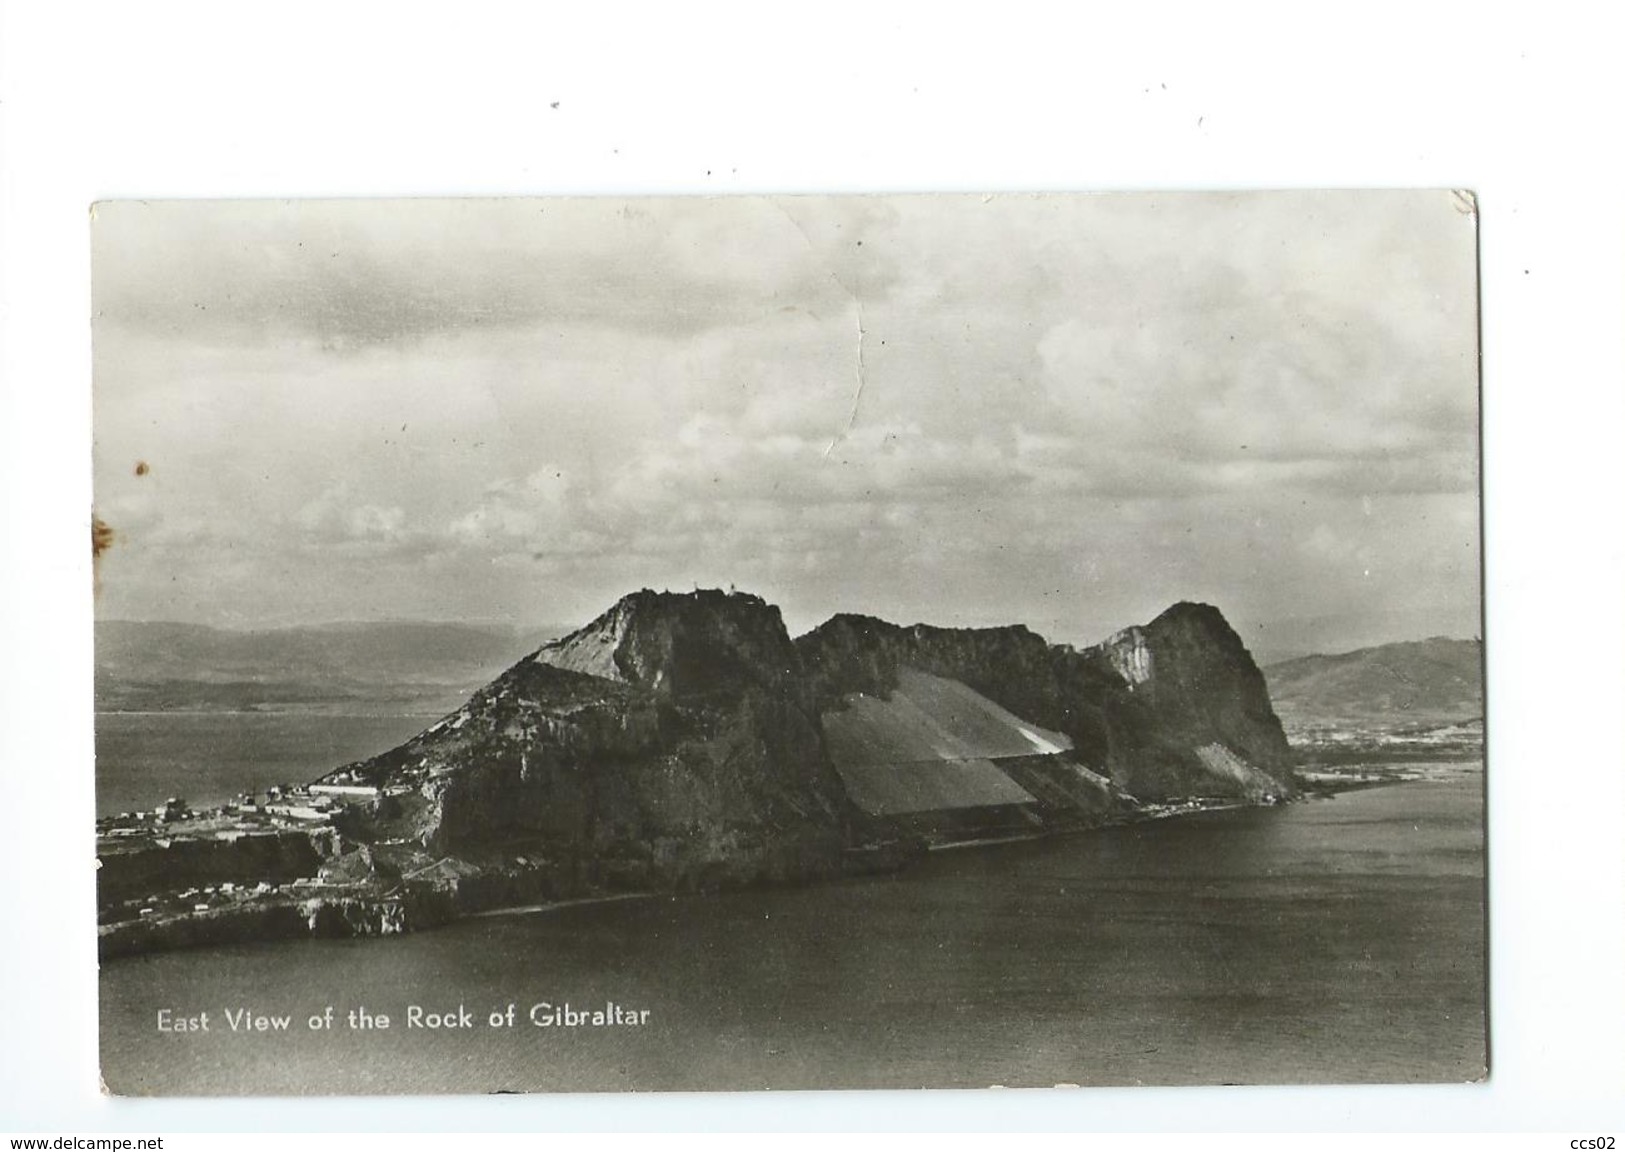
point(1435, 681)
point(1173, 709)
point(685, 742)
point(1197, 690)
point(684, 645)
point(943, 761)
point(671, 742)
point(684, 739)
point(929, 718)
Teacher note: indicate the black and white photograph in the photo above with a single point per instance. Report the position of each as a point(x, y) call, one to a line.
point(788, 642)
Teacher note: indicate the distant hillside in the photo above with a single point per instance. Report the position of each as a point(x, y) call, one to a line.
point(1423, 682)
point(151, 666)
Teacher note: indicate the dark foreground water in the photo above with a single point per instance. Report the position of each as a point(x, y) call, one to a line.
point(1332, 941)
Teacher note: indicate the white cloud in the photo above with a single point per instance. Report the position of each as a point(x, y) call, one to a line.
point(1063, 407)
point(370, 522)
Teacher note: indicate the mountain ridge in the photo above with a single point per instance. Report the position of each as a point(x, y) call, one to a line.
point(1144, 726)
point(684, 741)
point(1437, 680)
point(710, 684)
point(415, 666)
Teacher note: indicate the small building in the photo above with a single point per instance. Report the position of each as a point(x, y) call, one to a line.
point(296, 811)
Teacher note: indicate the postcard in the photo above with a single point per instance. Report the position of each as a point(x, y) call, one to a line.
point(788, 642)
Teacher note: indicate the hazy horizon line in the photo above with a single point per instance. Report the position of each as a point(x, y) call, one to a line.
point(557, 628)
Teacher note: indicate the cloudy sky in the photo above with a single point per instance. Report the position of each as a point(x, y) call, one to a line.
point(1068, 411)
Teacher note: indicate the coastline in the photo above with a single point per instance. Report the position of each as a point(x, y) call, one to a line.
point(559, 905)
point(317, 909)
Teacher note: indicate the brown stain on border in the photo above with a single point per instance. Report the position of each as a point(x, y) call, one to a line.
point(102, 537)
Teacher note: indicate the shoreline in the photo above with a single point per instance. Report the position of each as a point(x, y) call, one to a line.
point(306, 909)
point(558, 905)
point(356, 911)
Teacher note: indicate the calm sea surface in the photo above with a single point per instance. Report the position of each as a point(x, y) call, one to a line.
point(209, 757)
point(1331, 941)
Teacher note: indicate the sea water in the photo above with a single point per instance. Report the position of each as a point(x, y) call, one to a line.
point(142, 758)
point(1330, 941)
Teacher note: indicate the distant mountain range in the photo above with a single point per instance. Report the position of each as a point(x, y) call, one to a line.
point(1412, 684)
point(151, 666)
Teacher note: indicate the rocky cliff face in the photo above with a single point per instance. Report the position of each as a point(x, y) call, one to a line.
point(684, 741)
point(1196, 716)
point(684, 646)
point(1169, 709)
point(672, 741)
point(678, 740)
point(1014, 667)
point(150, 866)
point(1203, 687)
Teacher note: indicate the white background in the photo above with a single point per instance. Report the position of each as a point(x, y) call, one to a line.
point(294, 99)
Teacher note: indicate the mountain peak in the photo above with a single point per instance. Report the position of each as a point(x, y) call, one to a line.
point(681, 643)
point(1191, 613)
